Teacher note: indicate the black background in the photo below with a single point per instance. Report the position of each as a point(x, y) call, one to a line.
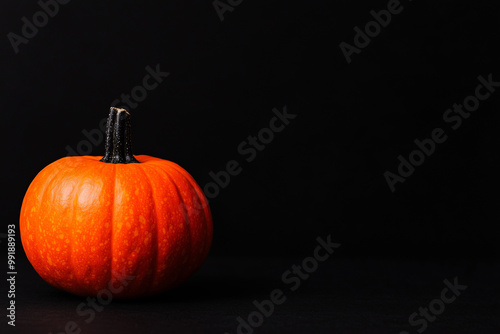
point(324, 174)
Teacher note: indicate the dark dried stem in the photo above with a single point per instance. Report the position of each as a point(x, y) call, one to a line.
point(119, 138)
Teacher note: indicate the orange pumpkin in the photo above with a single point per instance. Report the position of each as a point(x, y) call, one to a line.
point(131, 225)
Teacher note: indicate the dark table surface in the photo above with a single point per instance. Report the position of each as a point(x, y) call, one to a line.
point(341, 296)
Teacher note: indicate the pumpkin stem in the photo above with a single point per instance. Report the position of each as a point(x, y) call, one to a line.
point(119, 138)
point(109, 135)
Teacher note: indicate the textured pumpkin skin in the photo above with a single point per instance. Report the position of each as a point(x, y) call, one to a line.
point(86, 224)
